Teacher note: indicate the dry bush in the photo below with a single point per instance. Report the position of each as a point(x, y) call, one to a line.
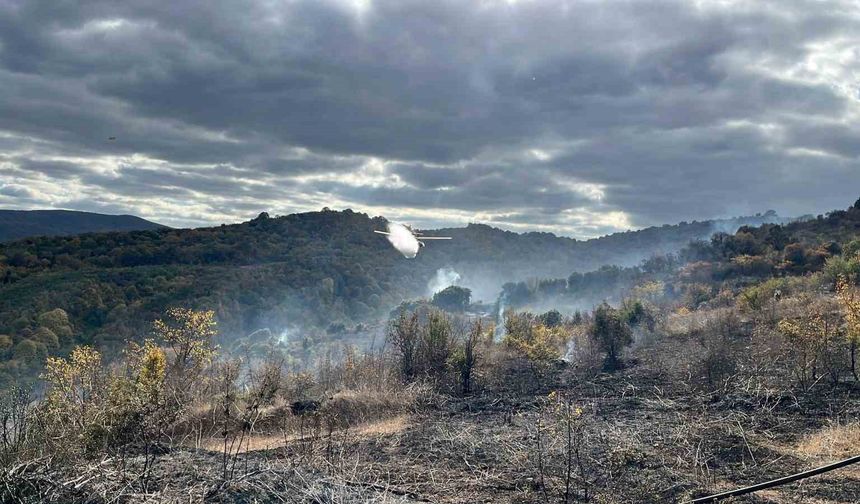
point(703, 348)
point(404, 334)
point(814, 343)
point(717, 365)
point(538, 344)
point(90, 408)
point(351, 371)
point(349, 408)
point(16, 413)
point(612, 334)
point(582, 351)
point(560, 452)
point(466, 354)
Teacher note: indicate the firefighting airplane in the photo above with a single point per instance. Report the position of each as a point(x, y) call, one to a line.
point(406, 240)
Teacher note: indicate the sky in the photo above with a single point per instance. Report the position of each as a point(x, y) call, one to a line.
point(580, 118)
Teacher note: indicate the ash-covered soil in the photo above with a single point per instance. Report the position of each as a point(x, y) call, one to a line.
point(642, 438)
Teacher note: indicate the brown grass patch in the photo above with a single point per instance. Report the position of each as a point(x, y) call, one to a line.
point(835, 441)
point(261, 441)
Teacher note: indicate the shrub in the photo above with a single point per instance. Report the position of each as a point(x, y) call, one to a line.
point(464, 359)
point(841, 267)
point(29, 351)
point(403, 334)
point(551, 318)
point(435, 344)
point(15, 418)
point(89, 407)
point(719, 361)
point(611, 334)
point(538, 344)
point(851, 249)
point(751, 265)
point(849, 303)
point(757, 297)
point(811, 338)
point(46, 337)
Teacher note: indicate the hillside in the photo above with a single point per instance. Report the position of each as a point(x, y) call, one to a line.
point(305, 274)
point(18, 224)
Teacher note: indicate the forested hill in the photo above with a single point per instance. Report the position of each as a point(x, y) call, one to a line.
point(331, 244)
point(480, 250)
point(307, 270)
point(17, 224)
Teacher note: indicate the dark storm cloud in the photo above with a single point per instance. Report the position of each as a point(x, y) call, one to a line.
point(578, 117)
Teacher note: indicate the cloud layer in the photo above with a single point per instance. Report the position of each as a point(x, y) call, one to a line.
point(580, 118)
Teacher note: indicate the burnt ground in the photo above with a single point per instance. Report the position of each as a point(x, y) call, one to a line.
point(643, 438)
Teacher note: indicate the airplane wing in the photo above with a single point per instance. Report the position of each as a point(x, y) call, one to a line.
point(381, 232)
point(434, 237)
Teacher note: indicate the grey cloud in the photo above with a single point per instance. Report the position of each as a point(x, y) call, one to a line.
point(674, 111)
point(16, 191)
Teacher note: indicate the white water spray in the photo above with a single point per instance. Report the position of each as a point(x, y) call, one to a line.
point(403, 240)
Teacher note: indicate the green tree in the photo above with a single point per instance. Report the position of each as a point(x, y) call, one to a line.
point(46, 337)
point(453, 298)
point(611, 334)
point(57, 321)
point(551, 318)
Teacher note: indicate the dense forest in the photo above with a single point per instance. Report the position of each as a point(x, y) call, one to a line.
point(325, 273)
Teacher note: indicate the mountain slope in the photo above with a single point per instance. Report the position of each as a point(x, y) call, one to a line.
point(302, 274)
point(18, 224)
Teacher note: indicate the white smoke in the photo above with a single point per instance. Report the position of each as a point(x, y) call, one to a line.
point(403, 240)
point(571, 350)
point(288, 334)
point(444, 277)
point(499, 332)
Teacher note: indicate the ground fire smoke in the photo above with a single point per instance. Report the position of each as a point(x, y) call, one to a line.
point(499, 332)
point(444, 277)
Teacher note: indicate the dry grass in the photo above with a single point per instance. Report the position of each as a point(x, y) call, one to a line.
point(834, 441)
point(385, 427)
point(269, 441)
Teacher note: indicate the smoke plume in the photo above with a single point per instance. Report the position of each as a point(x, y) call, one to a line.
point(499, 332)
point(444, 277)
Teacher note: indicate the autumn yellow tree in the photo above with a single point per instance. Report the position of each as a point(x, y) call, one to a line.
point(188, 334)
point(534, 341)
point(72, 409)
